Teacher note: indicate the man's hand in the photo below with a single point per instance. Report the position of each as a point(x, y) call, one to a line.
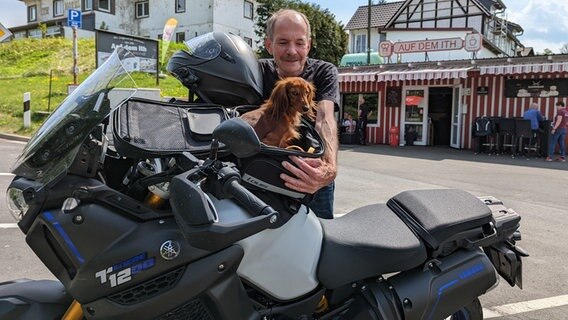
point(310, 174)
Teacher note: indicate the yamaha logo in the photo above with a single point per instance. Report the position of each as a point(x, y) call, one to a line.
point(170, 250)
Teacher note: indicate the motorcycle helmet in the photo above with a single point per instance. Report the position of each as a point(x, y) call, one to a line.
point(220, 68)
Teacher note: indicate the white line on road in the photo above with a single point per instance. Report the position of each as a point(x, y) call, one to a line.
point(6, 174)
point(8, 225)
point(526, 306)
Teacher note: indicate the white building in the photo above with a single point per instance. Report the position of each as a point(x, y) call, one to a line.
point(143, 18)
point(412, 21)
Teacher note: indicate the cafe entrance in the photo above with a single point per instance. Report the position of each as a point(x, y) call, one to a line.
point(431, 116)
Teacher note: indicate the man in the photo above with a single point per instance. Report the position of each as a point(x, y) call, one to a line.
point(559, 128)
point(534, 115)
point(364, 113)
point(288, 40)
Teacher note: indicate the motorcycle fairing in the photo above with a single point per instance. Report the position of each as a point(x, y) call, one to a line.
point(283, 262)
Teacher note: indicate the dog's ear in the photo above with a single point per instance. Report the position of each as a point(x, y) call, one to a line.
point(310, 97)
point(279, 97)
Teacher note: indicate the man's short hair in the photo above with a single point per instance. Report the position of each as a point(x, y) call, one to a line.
point(272, 21)
point(560, 103)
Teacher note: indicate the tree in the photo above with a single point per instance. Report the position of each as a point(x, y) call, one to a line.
point(329, 41)
point(547, 52)
point(564, 49)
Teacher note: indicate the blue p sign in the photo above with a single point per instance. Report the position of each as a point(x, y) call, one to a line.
point(74, 18)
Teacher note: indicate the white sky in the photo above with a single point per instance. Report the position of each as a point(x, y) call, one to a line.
point(545, 21)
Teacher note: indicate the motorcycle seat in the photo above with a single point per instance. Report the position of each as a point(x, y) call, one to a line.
point(368, 241)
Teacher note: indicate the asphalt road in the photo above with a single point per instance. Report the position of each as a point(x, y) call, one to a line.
point(372, 174)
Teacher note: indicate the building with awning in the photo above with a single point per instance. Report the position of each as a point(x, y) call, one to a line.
point(446, 63)
point(447, 96)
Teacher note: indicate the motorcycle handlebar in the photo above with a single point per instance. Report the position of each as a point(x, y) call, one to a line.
point(247, 199)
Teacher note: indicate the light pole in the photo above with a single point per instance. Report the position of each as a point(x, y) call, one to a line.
point(369, 34)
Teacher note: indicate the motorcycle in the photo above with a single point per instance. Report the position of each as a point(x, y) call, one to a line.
point(174, 210)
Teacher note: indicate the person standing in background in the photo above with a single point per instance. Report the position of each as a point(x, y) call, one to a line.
point(534, 115)
point(364, 113)
point(559, 127)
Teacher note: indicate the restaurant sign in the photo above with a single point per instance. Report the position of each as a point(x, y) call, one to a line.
point(471, 43)
point(524, 88)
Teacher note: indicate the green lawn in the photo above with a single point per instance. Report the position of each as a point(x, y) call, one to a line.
point(33, 65)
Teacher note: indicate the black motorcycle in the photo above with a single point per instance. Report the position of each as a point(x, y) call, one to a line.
point(174, 210)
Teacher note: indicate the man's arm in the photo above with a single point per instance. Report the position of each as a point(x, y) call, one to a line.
point(327, 129)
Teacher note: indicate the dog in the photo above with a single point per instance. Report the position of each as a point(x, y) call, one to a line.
point(277, 120)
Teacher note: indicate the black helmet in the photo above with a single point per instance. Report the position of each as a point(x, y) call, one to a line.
point(220, 68)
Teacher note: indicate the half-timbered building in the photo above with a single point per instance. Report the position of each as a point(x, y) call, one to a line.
point(451, 62)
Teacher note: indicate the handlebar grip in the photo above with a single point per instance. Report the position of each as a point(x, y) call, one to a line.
point(247, 198)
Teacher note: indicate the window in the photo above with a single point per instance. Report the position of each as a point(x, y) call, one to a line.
point(87, 5)
point(180, 6)
point(32, 13)
point(360, 44)
point(249, 10)
point(58, 8)
point(104, 5)
point(142, 9)
point(351, 106)
point(248, 40)
point(180, 36)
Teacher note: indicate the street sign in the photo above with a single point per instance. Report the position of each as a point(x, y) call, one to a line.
point(74, 18)
point(4, 33)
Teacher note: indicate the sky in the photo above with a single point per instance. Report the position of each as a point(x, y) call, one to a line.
point(545, 22)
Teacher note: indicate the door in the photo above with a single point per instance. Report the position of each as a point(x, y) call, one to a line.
point(455, 141)
point(414, 130)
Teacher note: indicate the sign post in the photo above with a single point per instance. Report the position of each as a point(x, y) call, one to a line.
point(74, 20)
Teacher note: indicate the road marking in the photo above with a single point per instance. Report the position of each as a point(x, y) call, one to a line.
point(6, 174)
point(8, 225)
point(526, 306)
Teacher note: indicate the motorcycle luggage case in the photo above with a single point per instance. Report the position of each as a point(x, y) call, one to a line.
point(445, 219)
point(146, 128)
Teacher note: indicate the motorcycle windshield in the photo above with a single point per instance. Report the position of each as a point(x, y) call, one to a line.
point(52, 149)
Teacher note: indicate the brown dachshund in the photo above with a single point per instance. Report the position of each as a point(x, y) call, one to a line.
point(276, 122)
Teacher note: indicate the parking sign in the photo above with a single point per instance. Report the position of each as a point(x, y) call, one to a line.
point(74, 18)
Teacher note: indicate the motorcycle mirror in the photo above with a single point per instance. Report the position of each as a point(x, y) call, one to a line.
point(239, 137)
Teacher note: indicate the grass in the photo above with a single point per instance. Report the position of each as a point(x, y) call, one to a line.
point(32, 65)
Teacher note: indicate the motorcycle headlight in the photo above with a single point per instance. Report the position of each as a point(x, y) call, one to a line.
point(16, 203)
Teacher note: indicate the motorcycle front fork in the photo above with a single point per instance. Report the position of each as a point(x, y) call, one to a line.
point(75, 311)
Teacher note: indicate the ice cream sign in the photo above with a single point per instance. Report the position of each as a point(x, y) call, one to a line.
point(472, 42)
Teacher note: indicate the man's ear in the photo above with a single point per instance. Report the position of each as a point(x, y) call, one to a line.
point(268, 45)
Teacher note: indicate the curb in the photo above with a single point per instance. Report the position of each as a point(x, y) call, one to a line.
point(14, 137)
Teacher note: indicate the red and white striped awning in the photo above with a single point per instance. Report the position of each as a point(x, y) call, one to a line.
point(524, 68)
point(357, 76)
point(423, 74)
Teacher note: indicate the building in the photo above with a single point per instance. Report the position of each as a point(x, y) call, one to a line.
point(142, 18)
point(435, 96)
point(414, 20)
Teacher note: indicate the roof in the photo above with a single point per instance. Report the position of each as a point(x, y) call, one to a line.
point(489, 3)
point(380, 15)
point(456, 68)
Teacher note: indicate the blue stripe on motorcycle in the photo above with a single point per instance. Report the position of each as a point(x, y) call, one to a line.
point(440, 292)
point(49, 216)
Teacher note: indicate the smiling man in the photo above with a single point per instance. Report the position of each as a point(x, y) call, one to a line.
point(288, 40)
